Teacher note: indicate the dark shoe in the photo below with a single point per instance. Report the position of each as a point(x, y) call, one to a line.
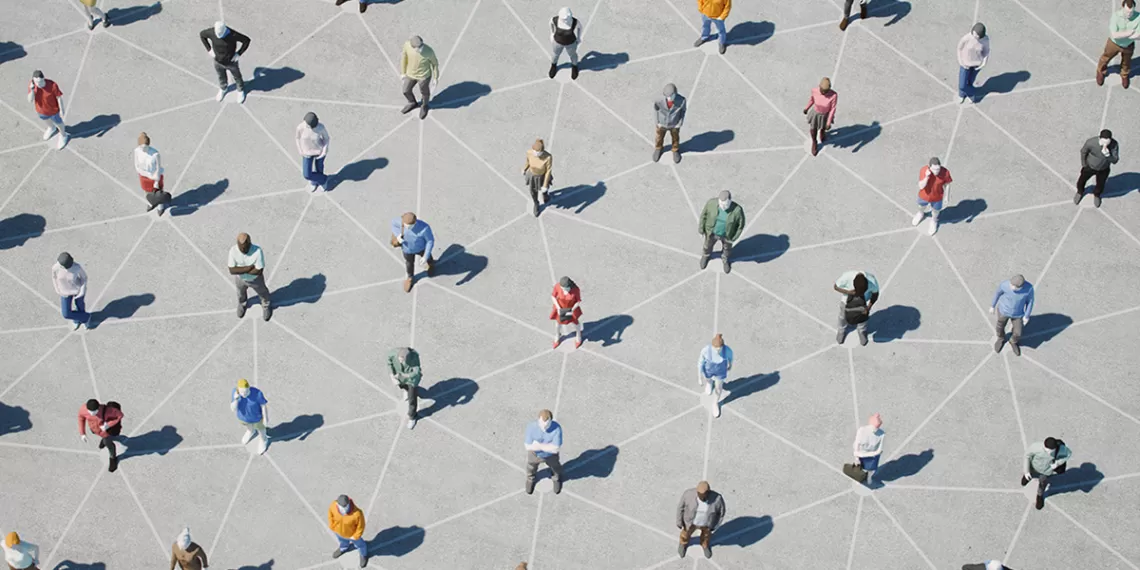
point(1125, 81)
point(557, 486)
point(106, 21)
point(241, 310)
point(1096, 201)
point(430, 269)
point(841, 335)
point(657, 154)
point(843, 25)
point(101, 444)
point(700, 41)
point(862, 338)
point(708, 551)
point(681, 548)
point(339, 2)
point(535, 209)
point(862, 11)
point(408, 285)
point(337, 553)
point(1015, 348)
point(266, 313)
point(408, 108)
point(114, 464)
point(1040, 504)
point(553, 70)
point(1024, 480)
point(151, 207)
point(1099, 77)
point(814, 147)
point(704, 261)
point(998, 344)
point(722, 48)
point(90, 24)
point(1077, 198)
point(363, 7)
point(676, 156)
point(423, 107)
point(727, 265)
point(530, 487)
point(363, 560)
point(573, 72)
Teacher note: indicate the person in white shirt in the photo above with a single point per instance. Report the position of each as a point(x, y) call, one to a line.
point(20, 554)
point(148, 165)
point(70, 282)
point(973, 54)
point(313, 145)
point(869, 445)
point(247, 264)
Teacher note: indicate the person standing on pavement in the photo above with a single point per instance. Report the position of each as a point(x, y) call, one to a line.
point(70, 282)
point(714, 12)
point(820, 112)
point(566, 309)
point(973, 53)
point(538, 173)
point(313, 145)
point(1013, 301)
point(721, 220)
point(1123, 31)
point(670, 116)
point(363, 5)
point(933, 191)
point(186, 554)
point(712, 369)
point(105, 421)
point(347, 523)
point(868, 446)
point(148, 165)
point(221, 43)
point(847, 4)
point(414, 238)
point(19, 554)
point(247, 265)
point(860, 290)
point(252, 411)
point(45, 94)
point(543, 441)
point(404, 369)
point(418, 66)
point(987, 565)
point(565, 30)
point(701, 509)
point(1042, 461)
point(1097, 157)
point(92, 11)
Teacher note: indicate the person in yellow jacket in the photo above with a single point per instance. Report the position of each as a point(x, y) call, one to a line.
point(713, 12)
point(347, 523)
point(418, 66)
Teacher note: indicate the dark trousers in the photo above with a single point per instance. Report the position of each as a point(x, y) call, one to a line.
point(1002, 320)
point(410, 262)
point(109, 443)
point(425, 89)
point(725, 246)
point(231, 67)
point(533, 461)
point(1086, 173)
point(413, 400)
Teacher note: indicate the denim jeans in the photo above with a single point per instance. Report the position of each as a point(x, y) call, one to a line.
point(313, 169)
point(722, 35)
point(966, 77)
point(346, 543)
point(78, 314)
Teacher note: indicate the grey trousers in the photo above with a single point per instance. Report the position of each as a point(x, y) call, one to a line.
point(557, 49)
point(533, 461)
point(1000, 329)
point(710, 241)
point(413, 399)
point(425, 89)
point(258, 286)
point(843, 320)
point(231, 67)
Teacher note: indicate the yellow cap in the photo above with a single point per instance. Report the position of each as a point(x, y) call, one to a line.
point(243, 383)
point(11, 540)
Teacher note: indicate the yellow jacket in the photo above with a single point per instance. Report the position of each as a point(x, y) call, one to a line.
point(715, 9)
point(347, 526)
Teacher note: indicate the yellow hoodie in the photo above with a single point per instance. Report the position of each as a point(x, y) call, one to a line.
point(715, 9)
point(347, 526)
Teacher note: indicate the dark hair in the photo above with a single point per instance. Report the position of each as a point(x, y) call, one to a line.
point(1105, 134)
point(1051, 443)
point(1129, 3)
point(860, 283)
point(92, 405)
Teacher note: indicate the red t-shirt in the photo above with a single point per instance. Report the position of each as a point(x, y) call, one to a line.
point(933, 190)
point(565, 301)
point(47, 97)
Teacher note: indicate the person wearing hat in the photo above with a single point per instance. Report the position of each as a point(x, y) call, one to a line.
point(347, 523)
point(186, 554)
point(105, 421)
point(713, 12)
point(70, 282)
point(221, 43)
point(148, 165)
point(247, 264)
point(93, 12)
point(973, 53)
point(405, 372)
point(721, 220)
point(538, 173)
point(820, 112)
point(712, 369)
point(567, 308)
point(1097, 157)
point(565, 30)
point(543, 441)
point(363, 5)
point(414, 237)
point(670, 113)
point(252, 411)
point(868, 445)
point(1043, 460)
point(19, 554)
point(933, 191)
point(847, 4)
point(701, 509)
point(860, 290)
point(1013, 301)
point(987, 565)
point(45, 94)
point(313, 144)
point(1123, 31)
point(418, 66)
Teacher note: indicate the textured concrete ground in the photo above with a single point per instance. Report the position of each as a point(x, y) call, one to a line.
point(638, 431)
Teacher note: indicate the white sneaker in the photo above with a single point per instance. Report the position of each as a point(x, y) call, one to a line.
point(49, 132)
point(716, 409)
point(411, 423)
point(708, 388)
point(247, 437)
point(63, 138)
point(312, 187)
point(932, 228)
point(263, 446)
point(220, 95)
point(917, 219)
point(241, 96)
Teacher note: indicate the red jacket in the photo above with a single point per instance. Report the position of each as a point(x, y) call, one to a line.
point(110, 416)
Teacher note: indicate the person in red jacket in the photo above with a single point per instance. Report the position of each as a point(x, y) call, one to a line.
point(105, 421)
point(46, 95)
point(567, 308)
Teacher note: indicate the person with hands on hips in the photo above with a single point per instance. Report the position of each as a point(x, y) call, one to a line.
point(418, 66)
point(221, 44)
point(252, 412)
point(565, 30)
point(1013, 301)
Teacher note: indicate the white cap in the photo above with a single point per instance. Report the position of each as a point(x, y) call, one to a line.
point(565, 14)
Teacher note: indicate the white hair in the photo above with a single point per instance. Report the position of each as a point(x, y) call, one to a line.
point(994, 565)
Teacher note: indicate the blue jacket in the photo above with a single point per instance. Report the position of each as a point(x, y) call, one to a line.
point(417, 238)
point(1014, 304)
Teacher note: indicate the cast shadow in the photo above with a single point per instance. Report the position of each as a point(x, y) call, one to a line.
point(122, 308)
point(743, 531)
point(577, 197)
point(1042, 328)
point(892, 323)
point(396, 541)
point(1116, 186)
point(358, 171)
point(266, 566)
point(267, 79)
point(300, 290)
point(904, 466)
point(749, 385)
point(17, 230)
point(1115, 68)
point(154, 442)
point(598, 61)
point(456, 260)
point(606, 331)
point(761, 247)
point(14, 419)
point(10, 51)
point(854, 137)
point(448, 393)
point(96, 126)
point(963, 211)
point(189, 201)
point(895, 9)
point(1002, 83)
point(1083, 479)
point(750, 33)
point(460, 95)
point(300, 427)
point(591, 463)
point(127, 16)
point(707, 141)
point(70, 565)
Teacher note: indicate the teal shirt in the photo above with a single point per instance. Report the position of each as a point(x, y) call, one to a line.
point(719, 228)
point(1039, 459)
point(1119, 23)
point(408, 373)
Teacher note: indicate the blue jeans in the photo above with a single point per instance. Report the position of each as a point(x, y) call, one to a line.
point(313, 169)
point(869, 463)
point(346, 543)
point(77, 315)
point(722, 35)
point(966, 77)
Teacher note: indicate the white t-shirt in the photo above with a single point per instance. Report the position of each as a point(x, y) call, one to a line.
point(255, 257)
point(701, 518)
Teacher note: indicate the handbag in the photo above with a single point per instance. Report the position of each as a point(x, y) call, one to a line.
point(855, 471)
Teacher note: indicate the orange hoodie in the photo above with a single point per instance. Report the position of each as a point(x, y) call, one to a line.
point(347, 526)
point(715, 9)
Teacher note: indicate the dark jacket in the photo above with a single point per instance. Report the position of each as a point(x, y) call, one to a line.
point(224, 48)
point(1093, 158)
point(687, 508)
point(732, 227)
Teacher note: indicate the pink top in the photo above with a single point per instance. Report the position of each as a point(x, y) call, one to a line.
point(824, 104)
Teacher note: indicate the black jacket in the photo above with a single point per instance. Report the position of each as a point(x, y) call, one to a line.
point(224, 48)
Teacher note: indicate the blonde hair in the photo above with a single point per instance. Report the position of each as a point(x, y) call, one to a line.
point(825, 84)
point(546, 415)
point(538, 146)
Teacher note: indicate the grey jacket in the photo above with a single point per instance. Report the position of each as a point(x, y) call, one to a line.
point(687, 509)
point(670, 118)
point(1093, 158)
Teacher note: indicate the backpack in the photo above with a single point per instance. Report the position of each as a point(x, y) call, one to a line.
point(855, 310)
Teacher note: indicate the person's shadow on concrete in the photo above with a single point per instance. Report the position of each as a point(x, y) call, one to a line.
point(14, 419)
point(127, 16)
point(300, 290)
point(963, 211)
point(396, 541)
point(607, 331)
point(446, 394)
point(270, 79)
point(459, 95)
point(904, 466)
point(265, 566)
point(72, 565)
point(456, 260)
point(854, 137)
point(577, 198)
point(742, 387)
point(759, 248)
point(11, 51)
point(598, 61)
point(189, 201)
point(96, 126)
point(155, 442)
point(750, 33)
point(1042, 328)
point(358, 171)
point(708, 141)
point(894, 9)
point(1084, 479)
point(300, 427)
point(17, 230)
point(743, 531)
point(1002, 83)
point(1116, 186)
point(591, 463)
point(892, 323)
point(121, 308)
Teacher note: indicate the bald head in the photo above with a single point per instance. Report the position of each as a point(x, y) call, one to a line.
point(408, 218)
point(416, 42)
point(243, 242)
point(875, 421)
point(702, 490)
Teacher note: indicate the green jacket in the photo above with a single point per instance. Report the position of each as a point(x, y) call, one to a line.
point(409, 372)
point(733, 226)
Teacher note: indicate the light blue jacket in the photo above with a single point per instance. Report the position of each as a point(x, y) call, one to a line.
point(713, 364)
point(417, 238)
point(1014, 304)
